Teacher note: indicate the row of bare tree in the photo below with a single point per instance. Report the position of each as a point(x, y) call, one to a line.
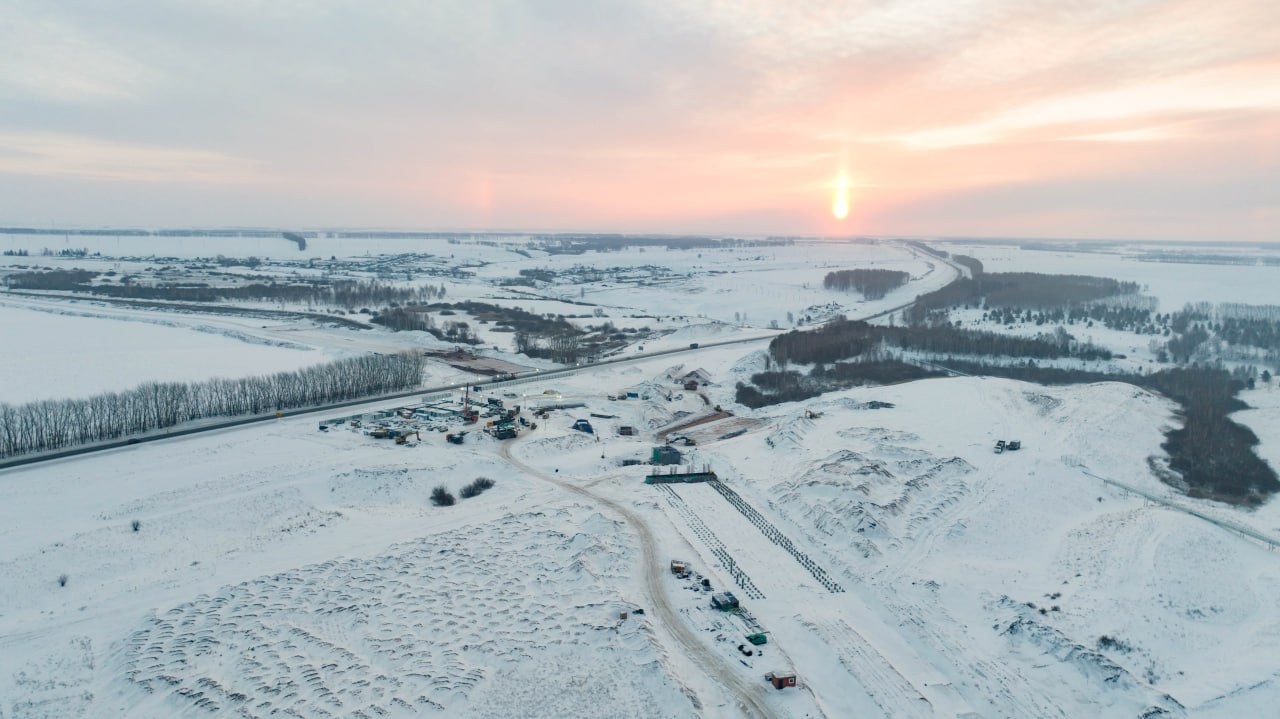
point(57, 424)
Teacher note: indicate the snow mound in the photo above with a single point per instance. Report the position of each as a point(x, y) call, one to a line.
point(878, 500)
point(789, 433)
point(543, 446)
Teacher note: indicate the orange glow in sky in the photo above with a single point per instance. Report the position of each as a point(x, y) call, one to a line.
point(977, 119)
point(840, 204)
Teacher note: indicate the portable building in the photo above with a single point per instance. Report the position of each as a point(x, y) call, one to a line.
point(724, 601)
point(666, 455)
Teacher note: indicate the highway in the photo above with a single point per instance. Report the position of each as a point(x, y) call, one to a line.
point(212, 425)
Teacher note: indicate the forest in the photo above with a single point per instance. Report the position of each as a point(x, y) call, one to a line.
point(1015, 289)
point(872, 284)
point(842, 339)
point(777, 386)
point(56, 424)
point(1214, 455)
point(348, 294)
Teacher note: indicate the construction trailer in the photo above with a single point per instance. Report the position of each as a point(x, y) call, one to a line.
point(724, 601)
point(666, 455)
point(627, 430)
point(781, 680)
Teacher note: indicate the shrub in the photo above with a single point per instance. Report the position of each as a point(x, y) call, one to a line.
point(62, 580)
point(442, 497)
point(476, 488)
point(136, 524)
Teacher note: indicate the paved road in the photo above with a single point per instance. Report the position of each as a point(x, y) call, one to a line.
point(750, 697)
point(213, 424)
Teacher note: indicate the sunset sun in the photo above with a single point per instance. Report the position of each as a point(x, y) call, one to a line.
point(840, 203)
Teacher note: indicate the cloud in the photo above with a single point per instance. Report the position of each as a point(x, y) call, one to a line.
point(639, 114)
point(52, 154)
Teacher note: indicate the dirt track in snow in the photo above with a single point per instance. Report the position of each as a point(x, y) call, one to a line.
point(748, 697)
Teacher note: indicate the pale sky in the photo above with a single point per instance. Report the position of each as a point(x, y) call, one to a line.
point(1054, 118)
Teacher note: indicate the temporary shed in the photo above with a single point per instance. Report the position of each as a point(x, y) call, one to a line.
point(781, 680)
point(724, 601)
point(666, 455)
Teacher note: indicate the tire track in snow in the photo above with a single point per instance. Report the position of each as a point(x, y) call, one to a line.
point(749, 697)
point(886, 685)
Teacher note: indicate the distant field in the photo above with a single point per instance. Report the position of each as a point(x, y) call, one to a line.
point(1174, 284)
point(51, 356)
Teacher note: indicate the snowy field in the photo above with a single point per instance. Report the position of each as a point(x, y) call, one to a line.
point(682, 296)
point(51, 356)
point(900, 567)
point(1174, 284)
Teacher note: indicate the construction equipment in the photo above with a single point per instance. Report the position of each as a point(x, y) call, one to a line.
point(455, 437)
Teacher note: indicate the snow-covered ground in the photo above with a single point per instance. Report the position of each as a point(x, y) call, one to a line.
point(1173, 284)
point(900, 567)
point(73, 353)
point(699, 295)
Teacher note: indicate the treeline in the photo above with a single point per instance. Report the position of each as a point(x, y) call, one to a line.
point(972, 263)
point(777, 386)
point(1113, 316)
point(576, 244)
point(56, 424)
point(347, 293)
point(1213, 454)
point(844, 339)
point(870, 283)
point(1236, 324)
point(418, 318)
point(1016, 289)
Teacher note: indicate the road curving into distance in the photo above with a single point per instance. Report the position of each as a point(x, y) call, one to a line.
point(520, 378)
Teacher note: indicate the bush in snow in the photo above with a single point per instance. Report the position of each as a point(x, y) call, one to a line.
point(441, 497)
point(479, 485)
point(136, 524)
point(62, 580)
